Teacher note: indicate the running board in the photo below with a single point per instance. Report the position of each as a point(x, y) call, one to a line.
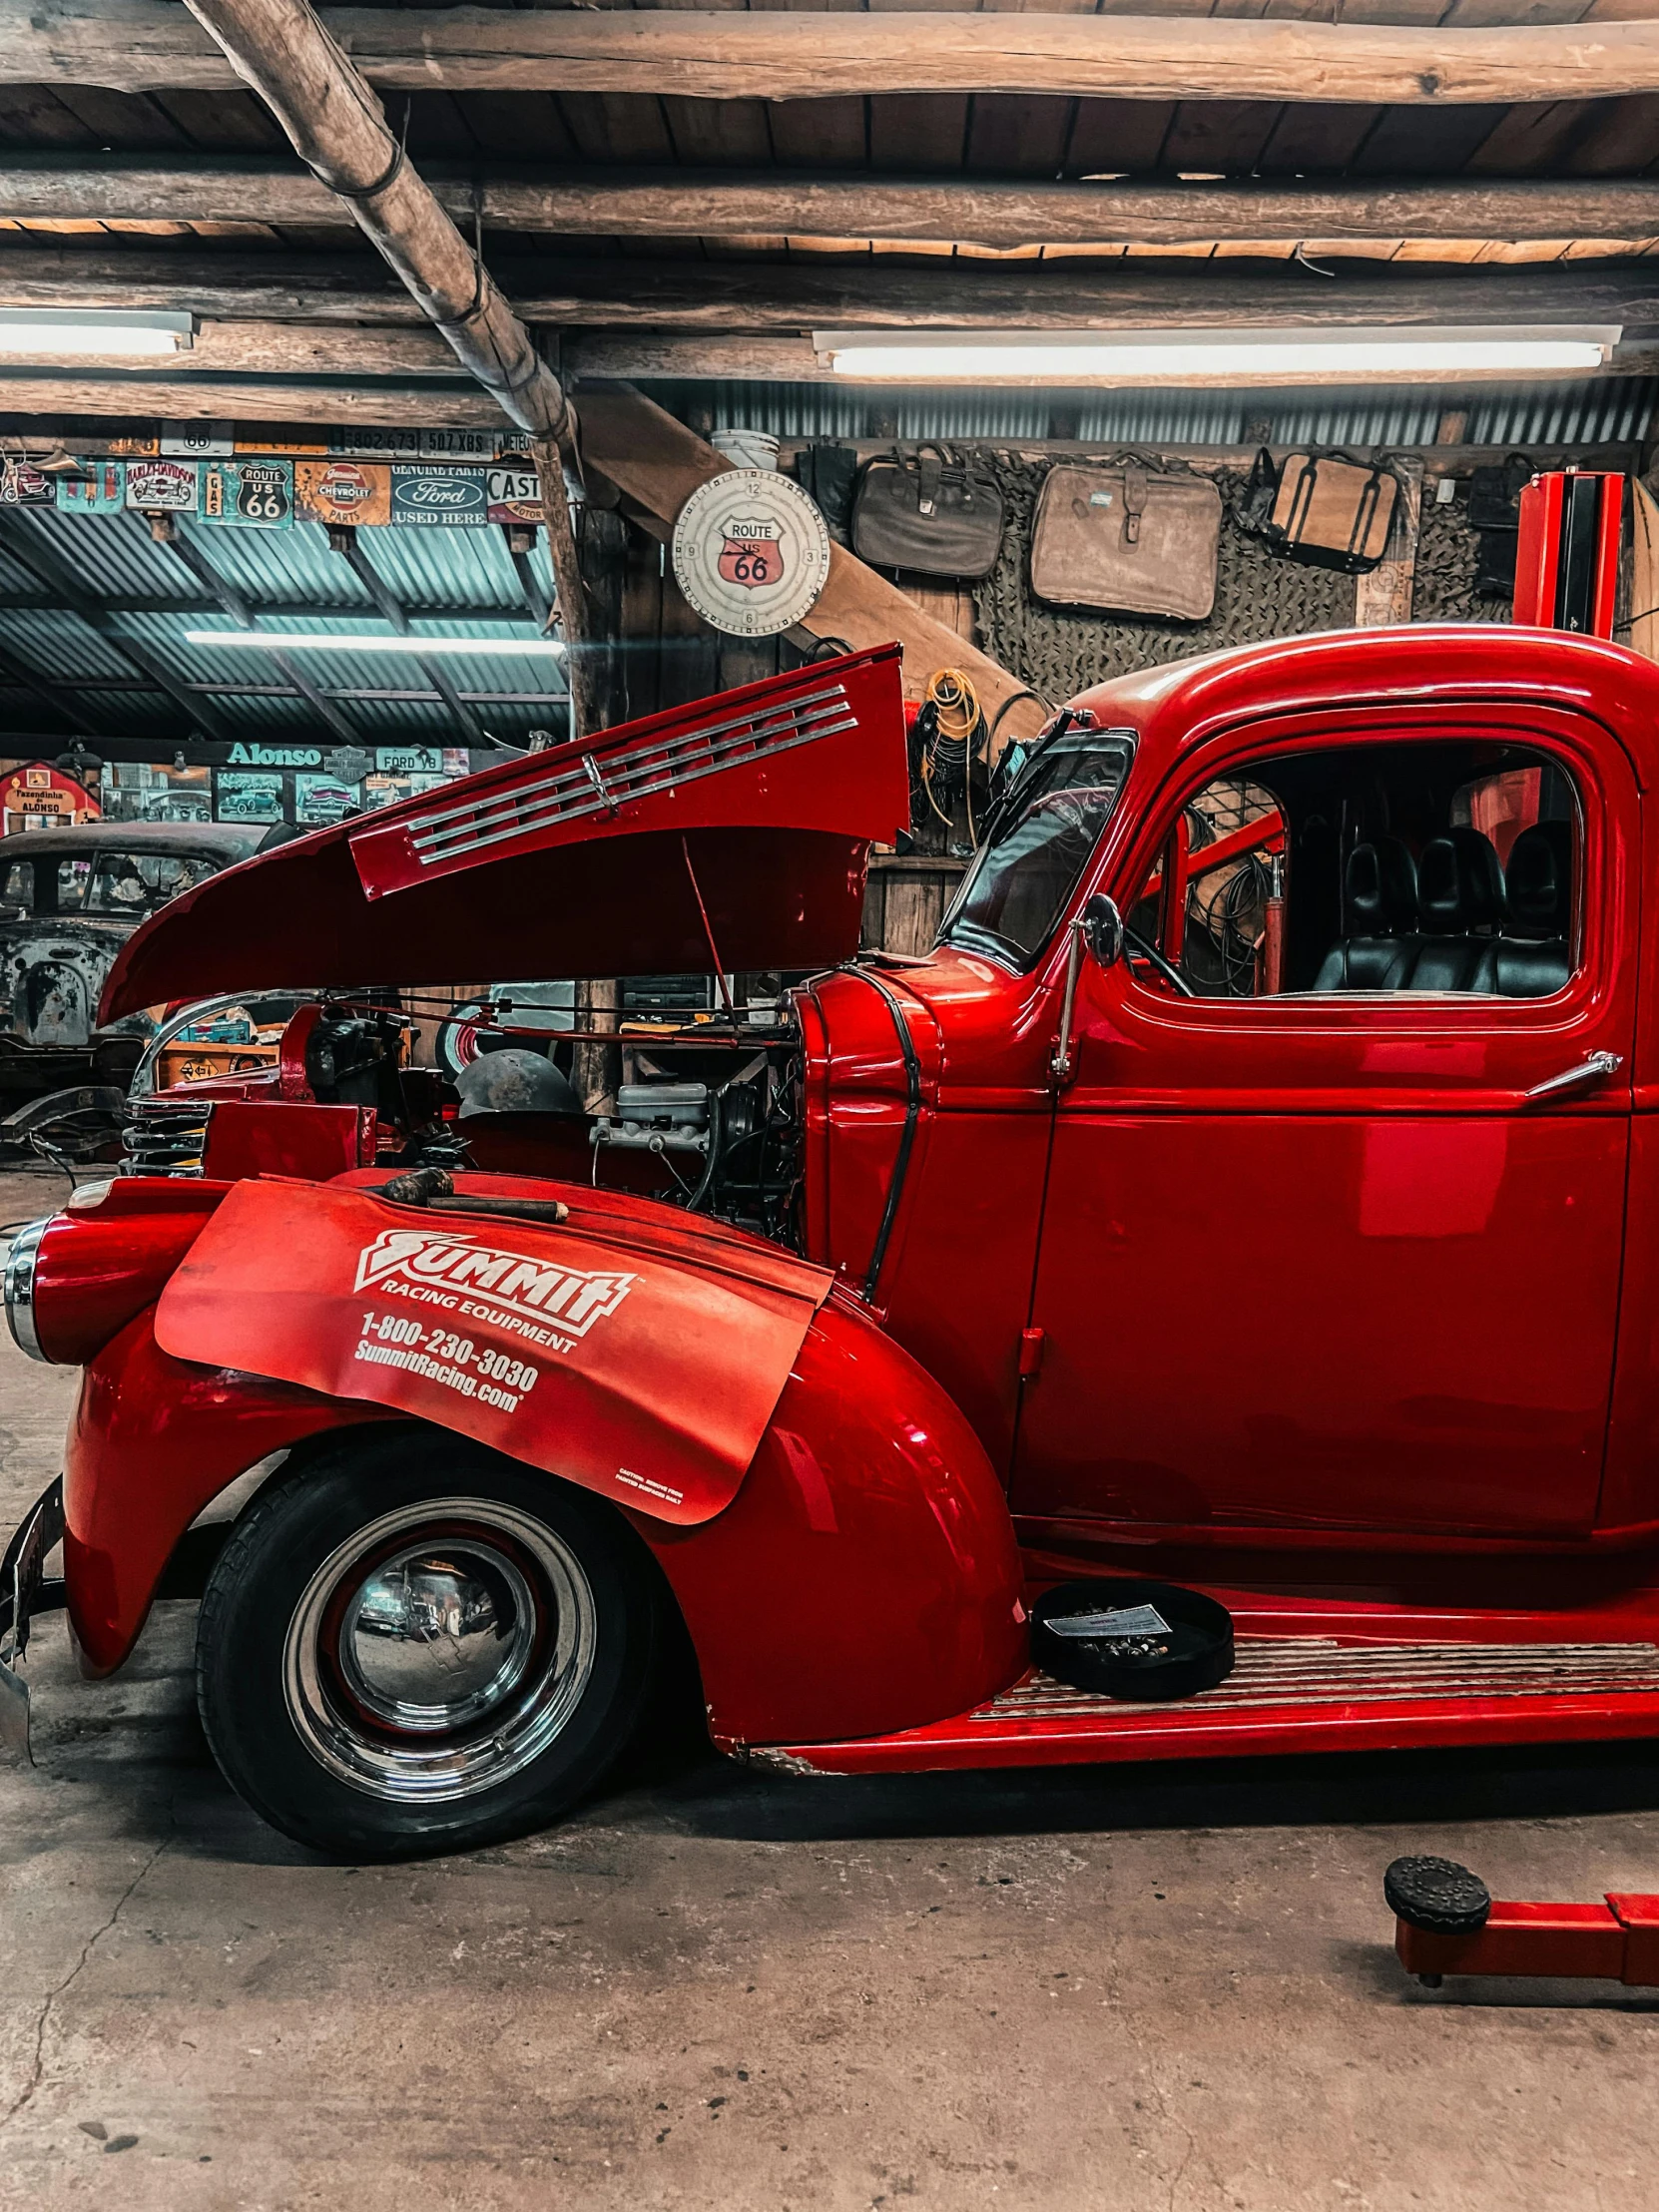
point(1285, 1694)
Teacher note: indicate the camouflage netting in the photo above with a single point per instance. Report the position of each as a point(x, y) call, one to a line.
point(1060, 651)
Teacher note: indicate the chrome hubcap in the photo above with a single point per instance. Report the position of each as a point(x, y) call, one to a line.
point(439, 1650)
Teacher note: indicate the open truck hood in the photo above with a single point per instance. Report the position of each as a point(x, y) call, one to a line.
point(739, 827)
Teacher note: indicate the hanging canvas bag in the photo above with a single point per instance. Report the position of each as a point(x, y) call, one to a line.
point(924, 510)
point(1324, 509)
point(1130, 538)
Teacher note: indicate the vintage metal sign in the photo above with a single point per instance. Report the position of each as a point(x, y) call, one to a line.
point(248, 496)
point(37, 796)
point(99, 490)
point(440, 495)
point(247, 794)
point(202, 440)
point(750, 552)
point(168, 487)
point(342, 491)
point(515, 495)
point(23, 487)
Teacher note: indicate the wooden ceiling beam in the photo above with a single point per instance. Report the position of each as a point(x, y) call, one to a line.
point(684, 203)
point(162, 397)
point(153, 46)
point(345, 324)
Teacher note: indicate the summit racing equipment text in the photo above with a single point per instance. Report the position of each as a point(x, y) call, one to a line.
point(540, 1300)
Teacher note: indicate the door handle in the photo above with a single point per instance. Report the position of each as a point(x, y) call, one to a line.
point(1592, 1070)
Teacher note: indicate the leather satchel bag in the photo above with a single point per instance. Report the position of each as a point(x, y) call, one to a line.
point(1129, 538)
point(922, 510)
point(1324, 509)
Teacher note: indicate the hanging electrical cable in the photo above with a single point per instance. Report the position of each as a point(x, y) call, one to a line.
point(950, 733)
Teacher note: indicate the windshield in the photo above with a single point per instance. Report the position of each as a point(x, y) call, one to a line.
point(1039, 843)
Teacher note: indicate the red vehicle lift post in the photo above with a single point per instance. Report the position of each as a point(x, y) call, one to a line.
point(1615, 1940)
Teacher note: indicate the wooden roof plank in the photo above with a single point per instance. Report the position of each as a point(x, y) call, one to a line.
point(144, 45)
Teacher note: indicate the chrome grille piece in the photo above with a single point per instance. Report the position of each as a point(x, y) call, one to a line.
point(594, 785)
point(166, 1136)
point(1318, 1670)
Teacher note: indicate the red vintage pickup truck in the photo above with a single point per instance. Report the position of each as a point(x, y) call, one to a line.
point(1245, 1198)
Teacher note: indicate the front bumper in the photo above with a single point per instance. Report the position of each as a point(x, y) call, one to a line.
point(25, 1590)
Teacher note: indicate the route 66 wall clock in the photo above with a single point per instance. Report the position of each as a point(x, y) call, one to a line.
point(750, 552)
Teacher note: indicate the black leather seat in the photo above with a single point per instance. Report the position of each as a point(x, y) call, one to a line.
point(1532, 959)
point(1380, 897)
point(1459, 893)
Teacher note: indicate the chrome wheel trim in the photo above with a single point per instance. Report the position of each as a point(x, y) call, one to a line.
point(477, 1599)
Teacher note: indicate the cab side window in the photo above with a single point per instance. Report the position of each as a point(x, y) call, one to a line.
point(17, 891)
point(1444, 868)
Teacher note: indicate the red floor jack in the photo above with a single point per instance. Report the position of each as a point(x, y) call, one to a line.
point(1447, 1922)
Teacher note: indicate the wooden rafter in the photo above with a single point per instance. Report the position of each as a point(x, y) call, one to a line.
point(342, 320)
point(990, 212)
point(150, 45)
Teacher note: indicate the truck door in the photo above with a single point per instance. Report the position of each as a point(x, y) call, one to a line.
point(1335, 1218)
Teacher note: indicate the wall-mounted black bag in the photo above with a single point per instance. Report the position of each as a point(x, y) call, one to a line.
point(827, 474)
point(922, 510)
point(1323, 509)
point(1495, 493)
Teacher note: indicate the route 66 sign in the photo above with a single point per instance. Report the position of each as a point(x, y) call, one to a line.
point(253, 495)
point(750, 552)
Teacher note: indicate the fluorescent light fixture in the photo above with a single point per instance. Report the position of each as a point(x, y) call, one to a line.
point(76, 331)
point(1364, 355)
point(306, 641)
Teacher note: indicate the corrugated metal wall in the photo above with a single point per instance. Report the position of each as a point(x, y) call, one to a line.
point(1598, 412)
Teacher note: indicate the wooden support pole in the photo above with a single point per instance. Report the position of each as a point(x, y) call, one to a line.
point(895, 210)
point(336, 127)
point(151, 46)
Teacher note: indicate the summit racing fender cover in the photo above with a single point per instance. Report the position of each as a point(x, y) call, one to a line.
point(645, 1376)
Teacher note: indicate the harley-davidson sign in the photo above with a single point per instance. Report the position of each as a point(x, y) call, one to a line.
point(750, 552)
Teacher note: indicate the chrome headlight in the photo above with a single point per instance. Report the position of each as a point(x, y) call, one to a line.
point(20, 1286)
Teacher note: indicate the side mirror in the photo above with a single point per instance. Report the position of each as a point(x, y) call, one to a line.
point(1102, 928)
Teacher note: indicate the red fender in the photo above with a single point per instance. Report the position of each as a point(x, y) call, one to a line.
point(610, 1349)
point(152, 1441)
point(865, 1579)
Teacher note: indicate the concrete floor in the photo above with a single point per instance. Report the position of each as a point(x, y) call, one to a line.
point(1168, 1990)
